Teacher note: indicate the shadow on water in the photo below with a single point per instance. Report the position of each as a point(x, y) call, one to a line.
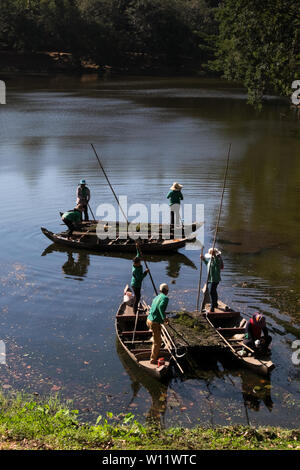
point(78, 260)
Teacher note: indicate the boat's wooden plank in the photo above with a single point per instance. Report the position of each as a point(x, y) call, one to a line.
point(229, 331)
point(137, 332)
point(142, 316)
point(154, 367)
point(221, 315)
point(145, 341)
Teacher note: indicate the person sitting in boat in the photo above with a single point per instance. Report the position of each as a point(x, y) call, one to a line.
point(253, 334)
point(214, 264)
point(83, 196)
point(136, 281)
point(156, 318)
point(175, 196)
point(72, 218)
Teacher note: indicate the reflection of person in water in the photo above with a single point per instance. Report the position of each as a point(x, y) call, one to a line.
point(255, 391)
point(77, 268)
point(173, 267)
point(139, 380)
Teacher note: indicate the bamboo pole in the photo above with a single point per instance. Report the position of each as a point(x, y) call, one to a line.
point(199, 285)
point(218, 221)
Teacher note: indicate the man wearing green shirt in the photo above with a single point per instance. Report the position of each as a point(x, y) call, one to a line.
point(156, 318)
point(136, 281)
point(175, 196)
point(214, 264)
point(72, 218)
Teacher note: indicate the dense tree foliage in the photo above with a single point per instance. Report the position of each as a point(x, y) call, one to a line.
point(253, 42)
point(259, 44)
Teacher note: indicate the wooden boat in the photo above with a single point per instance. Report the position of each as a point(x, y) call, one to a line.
point(90, 241)
point(230, 326)
point(137, 343)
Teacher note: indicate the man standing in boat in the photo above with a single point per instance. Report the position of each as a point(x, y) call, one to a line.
point(136, 281)
point(72, 218)
point(175, 196)
point(253, 335)
point(156, 318)
point(83, 196)
point(214, 264)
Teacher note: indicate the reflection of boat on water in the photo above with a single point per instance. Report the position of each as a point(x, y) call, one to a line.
point(157, 389)
point(255, 389)
point(175, 261)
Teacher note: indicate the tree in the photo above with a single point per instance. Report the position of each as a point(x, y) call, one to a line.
point(258, 45)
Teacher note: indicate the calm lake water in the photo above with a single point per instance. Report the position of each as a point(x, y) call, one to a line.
point(58, 307)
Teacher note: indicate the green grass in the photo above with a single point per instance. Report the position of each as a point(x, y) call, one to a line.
point(34, 424)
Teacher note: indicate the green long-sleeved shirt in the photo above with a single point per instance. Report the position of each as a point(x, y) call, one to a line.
point(73, 216)
point(175, 197)
point(158, 308)
point(137, 276)
point(215, 268)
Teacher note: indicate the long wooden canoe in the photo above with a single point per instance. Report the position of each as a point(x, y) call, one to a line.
point(230, 326)
point(90, 241)
point(137, 343)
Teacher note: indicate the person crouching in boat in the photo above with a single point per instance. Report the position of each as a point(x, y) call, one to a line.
point(136, 281)
point(83, 196)
point(156, 317)
point(175, 196)
point(253, 335)
point(214, 264)
point(72, 218)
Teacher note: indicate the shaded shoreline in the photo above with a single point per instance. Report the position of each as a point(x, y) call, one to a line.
point(65, 62)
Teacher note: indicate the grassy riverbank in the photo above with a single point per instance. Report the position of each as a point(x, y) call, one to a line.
point(27, 423)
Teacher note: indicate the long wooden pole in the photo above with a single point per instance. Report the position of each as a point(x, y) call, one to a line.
point(91, 211)
point(112, 189)
point(118, 202)
point(168, 346)
point(199, 285)
point(218, 221)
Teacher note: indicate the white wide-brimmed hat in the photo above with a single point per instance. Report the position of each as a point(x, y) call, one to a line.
point(217, 252)
point(176, 186)
point(163, 287)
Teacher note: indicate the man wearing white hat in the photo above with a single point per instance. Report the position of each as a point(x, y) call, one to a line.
point(83, 196)
point(214, 264)
point(175, 196)
point(156, 318)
